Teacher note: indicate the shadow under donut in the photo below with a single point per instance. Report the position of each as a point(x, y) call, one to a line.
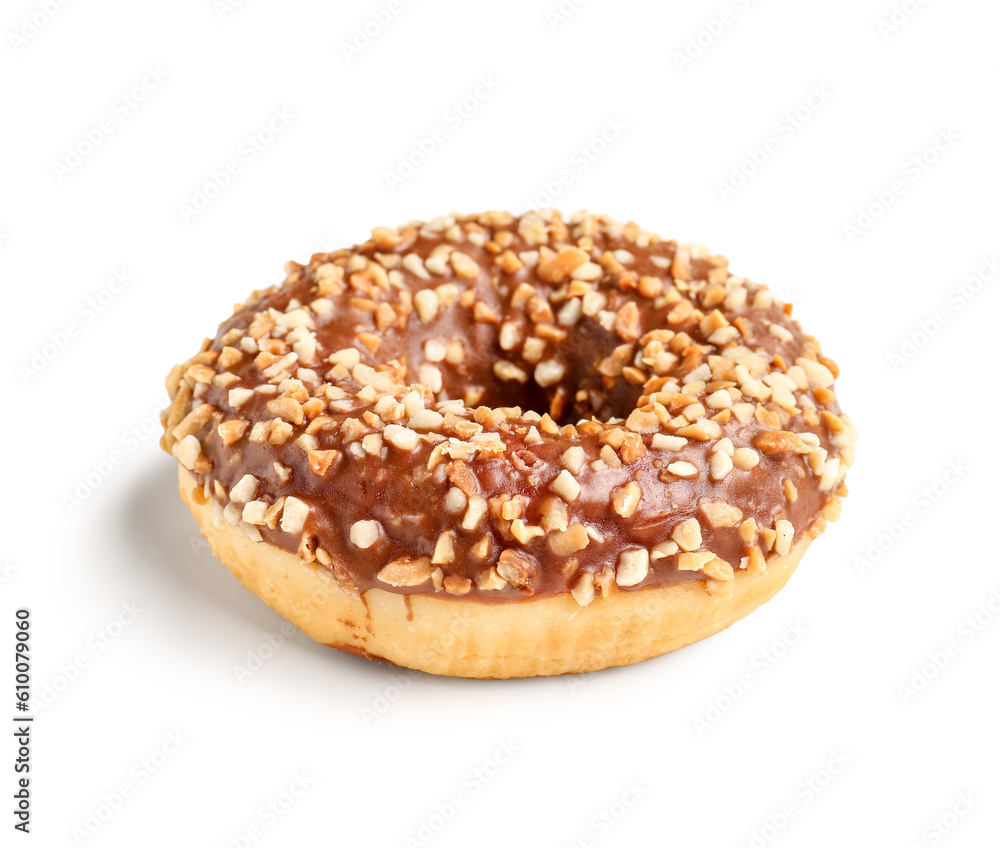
point(203, 596)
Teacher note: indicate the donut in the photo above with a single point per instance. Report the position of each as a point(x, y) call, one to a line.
point(494, 446)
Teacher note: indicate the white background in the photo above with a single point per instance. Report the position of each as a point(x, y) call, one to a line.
point(875, 715)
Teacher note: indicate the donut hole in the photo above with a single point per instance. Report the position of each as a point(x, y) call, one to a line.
point(580, 392)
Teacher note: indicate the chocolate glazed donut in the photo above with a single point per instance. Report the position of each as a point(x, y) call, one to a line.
point(492, 446)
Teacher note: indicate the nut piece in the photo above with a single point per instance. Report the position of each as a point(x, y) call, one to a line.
point(746, 458)
point(232, 431)
point(238, 397)
point(625, 499)
point(627, 322)
point(566, 486)
point(687, 534)
point(718, 569)
point(474, 513)
point(549, 372)
point(560, 266)
point(565, 542)
point(517, 568)
point(364, 534)
point(661, 441)
point(255, 512)
point(510, 336)
point(719, 465)
point(720, 514)
point(320, 461)
point(427, 303)
point(187, 451)
point(444, 549)
point(489, 580)
point(783, 541)
point(694, 561)
point(683, 469)
point(642, 422)
point(583, 592)
point(245, 490)
point(748, 531)
point(664, 550)
point(406, 571)
point(779, 441)
point(401, 437)
point(524, 533)
point(831, 472)
point(573, 459)
point(633, 567)
point(294, 515)
point(508, 371)
point(455, 584)
point(427, 419)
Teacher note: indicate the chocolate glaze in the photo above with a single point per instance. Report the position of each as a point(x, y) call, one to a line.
point(407, 499)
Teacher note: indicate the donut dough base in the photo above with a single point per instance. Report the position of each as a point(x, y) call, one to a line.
point(465, 638)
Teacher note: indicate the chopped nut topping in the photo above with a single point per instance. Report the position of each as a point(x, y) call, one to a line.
point(642, 422)
point(564, 542)
point(746, 458)
point(720, 514)
point(364, 534)
point(405, 572)
point(427, 419)
point(633, 567)
point(455, 501)
point(718, 569)
point(756, 563)
point(549, 372)
point(610, 458)
point(510, 335)
point(524, 533)
point(785, 533)
point(474, 512)
point(831, 474)
point(245, 490)
point(194, 421)
point(294, 515)
point(720, 465)
point(560, 266)
point(683, 469)
point(255, 513)
point(401, 437)
point(627, 322)
point(664, 442)
point(687, 534)
point(455, 584)
point(694, 561)
point(748, 531)
point(517, 568)
point(444, 549)
point(573, 459)
point(321, 460)
point(779, 441)
point(625, 499)
point(577, 306)
point(508, 371)
point(566, 486)
point(187, 451)
point(583, 591)
point(664, 550)
point(287, 408)
point(427, 303)
point(555, 515)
